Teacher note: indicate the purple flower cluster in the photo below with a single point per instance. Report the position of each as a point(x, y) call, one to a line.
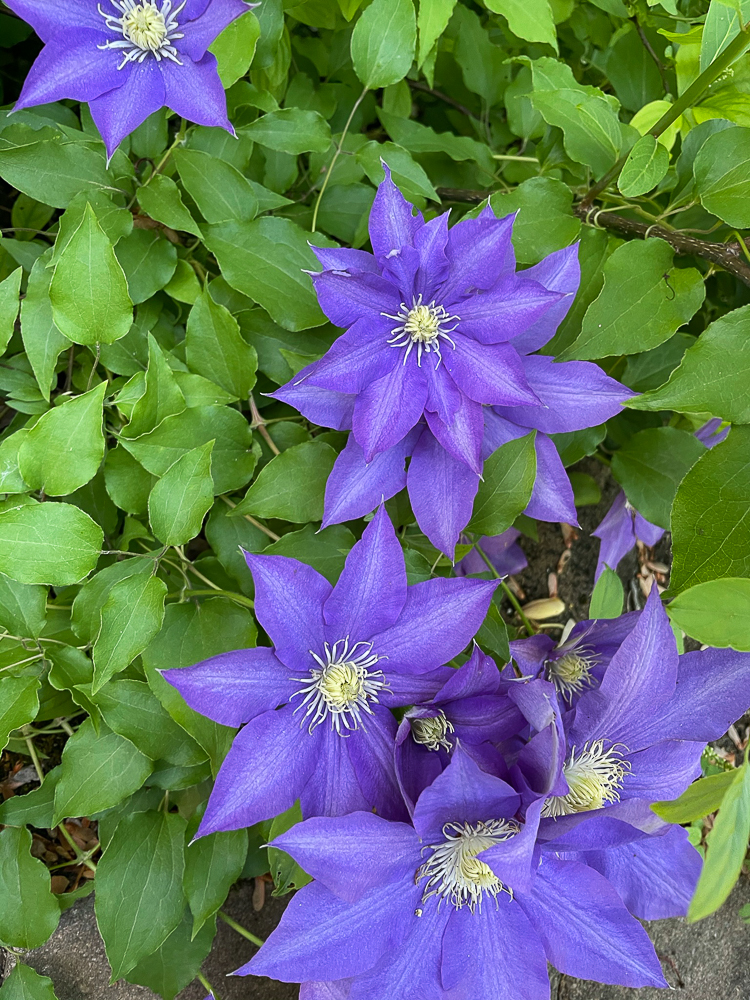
point(437, 366)
point(128, 58)
point(504, 823)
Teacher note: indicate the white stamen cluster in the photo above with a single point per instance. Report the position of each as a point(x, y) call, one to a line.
point(421, 326)
point(432, 732)
point(594, 776)
point(571, 672)
point(341, 686)
point(455, 874)
point(146, 29)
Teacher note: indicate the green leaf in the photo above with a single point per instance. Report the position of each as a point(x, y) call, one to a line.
point(723, 22)
point(9, 306)
point(25, 984)
point(41, 338)
point(52, 543)
point(287, 874)
point(177, 962)
point(148, 260)
point(212, 866)
point(65, 447)
point(227, 535)
point(651, 465)
point(234, 48)
point(493, 635)
point(20, 703)
point(28, 910)
point(132, 615)
point(115, 221)
point(98, 770)
point(35, 807)
point(184, 285)
point(89, 291)
point(162, 397)
point(721, 179)
point(432, 20)
point(419, 138)
point(290, 130)
point(22, 607)
point(505, 489)
point(265, 260)
point(139, 898)
point(643, 302)
point(702, 798)
point(727, 846)
point(645, 167)
point(127, 482)
point(219, 190)
point(11, 480)
point(529, 19)
point(131, 710)
point(91, 598)
point(383, 42)
point(232, 460)
point(711, 515)
point(325, 550)
point(215, 348)
point(292, 486)
point(407, 174)
point(182, 497)
point(608, 596)
point(716, 613)
point(160, 199)
point(713, 375)
point(545, 218)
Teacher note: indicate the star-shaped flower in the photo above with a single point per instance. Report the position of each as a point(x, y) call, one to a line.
point(128, 58)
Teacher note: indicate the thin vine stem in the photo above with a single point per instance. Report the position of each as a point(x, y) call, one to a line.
point(241, 930)
point(530, 630)
point(336, 155)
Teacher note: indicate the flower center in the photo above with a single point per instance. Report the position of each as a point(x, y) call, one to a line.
point(146, 29)
point(432, 732)
point(454, 872)
point(422, 325)
point(571, 672)
point(341, 685)
point(594, 776)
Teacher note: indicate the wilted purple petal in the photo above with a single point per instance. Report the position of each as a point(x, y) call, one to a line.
point(617, 534)
point(710, 433)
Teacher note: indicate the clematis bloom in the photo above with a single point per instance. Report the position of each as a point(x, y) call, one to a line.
point(437, 366)
point(503, 551)
point(342, 655)
point(128, 58)
point(620, 531)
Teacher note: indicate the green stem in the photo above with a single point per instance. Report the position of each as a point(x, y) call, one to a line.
point(530, 630)
point(32, 751)
point(336, 155)
point(82, 858)
point(215, 592)
point(686, 100)
point(207, 986)
point(241, 930)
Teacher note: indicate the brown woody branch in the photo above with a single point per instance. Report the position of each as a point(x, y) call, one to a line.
point(728, 256)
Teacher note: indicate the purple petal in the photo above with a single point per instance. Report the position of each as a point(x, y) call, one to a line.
point(119, 112)
point(321, 936)
point(586, 930)
point(266, 769)
point(344, 259)
point(710, 433)
point(593, 830)
point(441, 491)
point(462, 794)
point(655, 876)
point(361, 356)
point(321, 406)
point(386, 410)
point(371, 591)
point(494, 954)
point(71, 66)
point(575, 395)
point(560, 272)
point(541, 759)
point(350, 855)
point(50, 19)
point(463, 435)
point(439, 619)
point(233, 688)
point(639, 680)
point(480, 253)
point(202, 31)
point(289, 599)
point(531, 653)
point(513, 860)
point(443, 395)
point(194, 91)
point(416, 766)
point(338, 990)
point(412, 689)
point(647, 532)
point(346, 297)
point(498, 431)
point(478, 676)
point(392, 220)
point(617, 534)
point(371, 750)
point(401, 266)
point(430, 243)
point(355, 488)
point(662, 771)
point(502, 551)
point(505, 311)
point(488, 373)
point(332, 789)
point(552, 496)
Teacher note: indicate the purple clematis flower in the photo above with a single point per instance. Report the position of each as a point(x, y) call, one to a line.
point(620, 531)
point(459, 907)
point(341, 657)
point(503, 552)
point(712, 433)
point(437, 366)
point(128, 58)
point(471, 710)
